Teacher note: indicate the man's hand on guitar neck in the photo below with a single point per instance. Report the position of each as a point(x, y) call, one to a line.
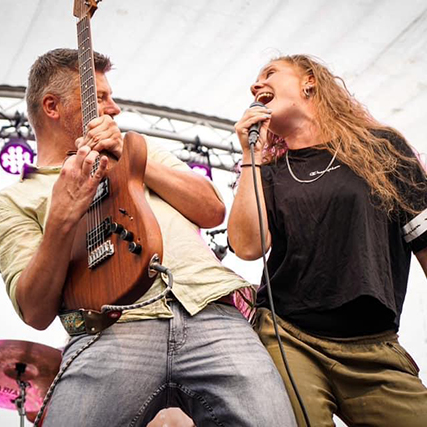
point(103, 135)
point(75, 189)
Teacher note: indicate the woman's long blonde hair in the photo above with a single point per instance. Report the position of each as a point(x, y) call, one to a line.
point(347, 125)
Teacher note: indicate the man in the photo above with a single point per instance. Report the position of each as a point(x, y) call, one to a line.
point(191, 350)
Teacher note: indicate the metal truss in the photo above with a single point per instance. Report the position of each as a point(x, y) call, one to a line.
point(192, 137)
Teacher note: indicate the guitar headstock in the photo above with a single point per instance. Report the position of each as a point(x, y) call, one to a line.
point(84, 8)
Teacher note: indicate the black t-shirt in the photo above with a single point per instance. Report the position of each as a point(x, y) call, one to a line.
point(334, 254)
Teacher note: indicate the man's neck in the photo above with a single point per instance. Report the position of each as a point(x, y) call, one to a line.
point(53, 151)
point(49, 160)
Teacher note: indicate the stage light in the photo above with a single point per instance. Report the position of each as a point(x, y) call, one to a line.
point(220, 251)
point(14, 154)
point(201, 169)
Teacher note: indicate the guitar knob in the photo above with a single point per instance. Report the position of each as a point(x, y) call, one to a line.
point(126, 235)
point(135, 248)
point(117, 228)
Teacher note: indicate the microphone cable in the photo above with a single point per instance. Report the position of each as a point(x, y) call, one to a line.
point(252, 142)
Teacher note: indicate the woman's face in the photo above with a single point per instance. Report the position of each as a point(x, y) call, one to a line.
point(280, 87)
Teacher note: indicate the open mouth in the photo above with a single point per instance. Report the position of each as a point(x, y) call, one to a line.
point(264, 97)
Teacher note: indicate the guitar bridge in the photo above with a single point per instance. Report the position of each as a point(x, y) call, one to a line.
point(100, 254)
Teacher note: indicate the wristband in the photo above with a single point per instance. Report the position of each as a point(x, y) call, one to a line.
point(248, 165)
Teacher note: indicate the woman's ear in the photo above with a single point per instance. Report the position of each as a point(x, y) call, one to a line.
point(308, 86)
point(309, 81)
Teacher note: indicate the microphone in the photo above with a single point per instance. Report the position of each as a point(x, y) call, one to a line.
point(254, 129)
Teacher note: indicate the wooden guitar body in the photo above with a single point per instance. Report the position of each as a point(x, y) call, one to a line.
point(116, 239)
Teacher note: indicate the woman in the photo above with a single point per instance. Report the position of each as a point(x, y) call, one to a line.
point(343, 203)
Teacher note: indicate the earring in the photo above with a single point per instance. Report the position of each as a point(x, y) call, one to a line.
point(307, 91)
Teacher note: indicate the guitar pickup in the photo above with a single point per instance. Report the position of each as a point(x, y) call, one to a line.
point(101, 192)
point(98, 234)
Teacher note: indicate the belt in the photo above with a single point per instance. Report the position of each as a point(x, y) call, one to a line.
point(226, 299)
point(79, 322)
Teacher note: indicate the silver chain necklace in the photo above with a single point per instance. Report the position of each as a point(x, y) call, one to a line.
point(308, 181)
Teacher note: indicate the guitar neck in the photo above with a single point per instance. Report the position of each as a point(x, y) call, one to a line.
point(87, 72)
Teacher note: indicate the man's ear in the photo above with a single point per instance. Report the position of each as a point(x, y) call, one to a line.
point(50, 105)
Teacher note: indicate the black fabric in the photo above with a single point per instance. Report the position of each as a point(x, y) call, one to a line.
point(330, 244)
point(363, 316)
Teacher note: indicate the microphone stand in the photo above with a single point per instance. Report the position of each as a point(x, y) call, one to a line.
point(20, 400)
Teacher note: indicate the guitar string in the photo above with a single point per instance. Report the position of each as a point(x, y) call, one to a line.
point(93, 113)
point(82, 52)
point(87, 90)
point(80, 37)
point(88, 93)
point(92, 107)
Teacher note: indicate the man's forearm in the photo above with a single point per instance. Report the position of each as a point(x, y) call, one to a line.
point(39, 288)
point(190, 194)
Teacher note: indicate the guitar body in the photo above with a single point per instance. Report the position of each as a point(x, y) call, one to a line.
point(103, 270)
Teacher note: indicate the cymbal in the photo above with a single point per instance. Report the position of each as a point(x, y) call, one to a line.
point(38, 364)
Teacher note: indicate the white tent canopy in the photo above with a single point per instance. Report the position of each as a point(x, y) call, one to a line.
point(201, 56)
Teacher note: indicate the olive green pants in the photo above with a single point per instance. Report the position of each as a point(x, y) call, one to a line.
point(366, 381)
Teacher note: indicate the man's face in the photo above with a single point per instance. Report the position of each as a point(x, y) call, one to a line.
point(106, 104)
point(71, 109)
point(71, 113)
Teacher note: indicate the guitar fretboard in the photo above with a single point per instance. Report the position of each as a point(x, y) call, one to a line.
point(87, 72)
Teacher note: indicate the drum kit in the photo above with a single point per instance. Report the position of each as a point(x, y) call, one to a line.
point(26, 371)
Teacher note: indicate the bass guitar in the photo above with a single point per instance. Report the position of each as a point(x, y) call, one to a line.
point(118, 239)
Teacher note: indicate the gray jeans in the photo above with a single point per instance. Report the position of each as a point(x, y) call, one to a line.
point(211, 365)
